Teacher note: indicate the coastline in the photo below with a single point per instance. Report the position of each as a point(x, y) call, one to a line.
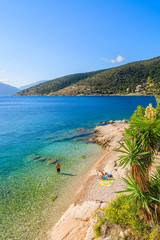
point(39, 213)
point(83, 95)
point(77, 222)
point(90, 196)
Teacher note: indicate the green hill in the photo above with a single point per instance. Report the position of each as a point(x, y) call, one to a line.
point(55, 84)
point(108, 81)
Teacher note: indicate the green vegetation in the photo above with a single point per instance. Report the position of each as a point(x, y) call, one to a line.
point(117, 80)
point(139, 208)
point(138, 113)
point(97, 226)
point(56, 84)
point(120, 212)
point(139, 149)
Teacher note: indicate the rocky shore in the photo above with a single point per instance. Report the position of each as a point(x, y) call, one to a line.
point(77, 222)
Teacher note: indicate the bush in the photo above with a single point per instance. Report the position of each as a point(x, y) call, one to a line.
point(97, 226)
point(121, 212)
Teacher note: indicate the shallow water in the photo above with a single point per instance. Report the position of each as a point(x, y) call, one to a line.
point(46, 128)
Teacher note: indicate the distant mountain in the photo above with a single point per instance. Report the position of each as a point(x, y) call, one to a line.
point(7, 90)
point(107, 81)
point(31, 85)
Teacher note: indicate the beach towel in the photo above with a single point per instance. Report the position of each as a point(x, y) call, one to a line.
point(107, 182)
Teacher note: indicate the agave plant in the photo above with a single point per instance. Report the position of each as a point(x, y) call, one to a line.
point(138, 113)
point(145, 201)
point(133, 155)
point(155, 181)
point(138, 150)
point(155, 189)
point(149, 133)
point(148, 127)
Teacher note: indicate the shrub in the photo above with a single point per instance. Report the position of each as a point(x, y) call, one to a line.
point(119, 211)
point(97, 226)
point(155, 233)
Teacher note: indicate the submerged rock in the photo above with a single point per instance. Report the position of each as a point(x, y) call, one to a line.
point(103, 122)
point(82, 157)
point(81, 129)
point(39, 158)
point(50, 160)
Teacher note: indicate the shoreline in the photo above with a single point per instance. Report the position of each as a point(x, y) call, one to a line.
point(93, 95)
point(90, 196)
point(77, 222)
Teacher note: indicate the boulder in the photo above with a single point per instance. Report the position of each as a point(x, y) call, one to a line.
point(103, 229)
point(127, 232)
point(103, 122)
point(109, 238)
point(124, 121)
point(122, 235)
point(111, 122)
point(101, 214)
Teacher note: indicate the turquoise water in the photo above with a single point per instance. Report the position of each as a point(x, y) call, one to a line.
point(45, 128)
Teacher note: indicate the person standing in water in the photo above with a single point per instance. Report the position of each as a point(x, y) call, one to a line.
point(58, 166)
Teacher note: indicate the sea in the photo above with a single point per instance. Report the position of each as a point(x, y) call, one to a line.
point(35, 133)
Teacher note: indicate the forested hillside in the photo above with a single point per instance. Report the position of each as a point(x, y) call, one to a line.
point(55, 84)
point(110, 81)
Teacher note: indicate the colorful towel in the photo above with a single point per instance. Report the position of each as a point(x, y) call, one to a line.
point(107, 182)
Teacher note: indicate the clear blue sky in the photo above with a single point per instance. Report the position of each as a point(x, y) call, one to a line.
point(45, 39)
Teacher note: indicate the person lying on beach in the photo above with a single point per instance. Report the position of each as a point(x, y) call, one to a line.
point(58, 166)
point(101, 175)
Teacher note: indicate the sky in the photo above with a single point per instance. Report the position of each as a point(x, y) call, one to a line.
point(46, 39)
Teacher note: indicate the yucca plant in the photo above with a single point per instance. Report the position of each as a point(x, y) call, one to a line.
point(149, 135)
point(138, 150)
point(145, 201)
point(138, 113)
point(155, 181)
point(134, 157)
point(154, 187)
point(148, 130)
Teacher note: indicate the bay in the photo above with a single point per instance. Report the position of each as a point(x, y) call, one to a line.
point(45, 128)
